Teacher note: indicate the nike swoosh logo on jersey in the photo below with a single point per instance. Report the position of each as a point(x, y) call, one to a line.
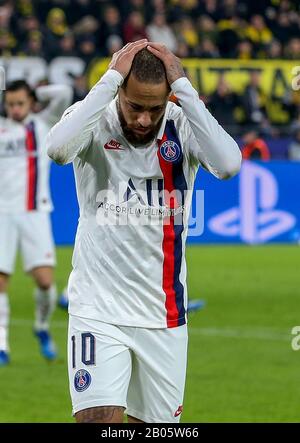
point(179, 411)
point(114, 146)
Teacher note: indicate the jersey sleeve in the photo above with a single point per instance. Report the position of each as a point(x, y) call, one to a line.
point(208, 143)
point(59, 97)
point(74, 132)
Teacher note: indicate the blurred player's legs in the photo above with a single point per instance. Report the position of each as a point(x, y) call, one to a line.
point(45, 299)
point(195, 305)
point(9, 238)
point(63, 300)
point(4, 320)
point(39, 259)
point(32, 231)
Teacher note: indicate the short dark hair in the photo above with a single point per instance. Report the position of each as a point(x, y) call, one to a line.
point(16, 85)
point(147, 68)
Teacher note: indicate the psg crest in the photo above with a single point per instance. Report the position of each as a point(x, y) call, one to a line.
point(170, 151)
point(82, 380)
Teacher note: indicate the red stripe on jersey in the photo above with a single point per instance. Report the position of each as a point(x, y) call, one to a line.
point(31, 169)
point(168, 245)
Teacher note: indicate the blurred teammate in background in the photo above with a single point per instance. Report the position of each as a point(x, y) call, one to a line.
point(131, 149)
point(25, 202)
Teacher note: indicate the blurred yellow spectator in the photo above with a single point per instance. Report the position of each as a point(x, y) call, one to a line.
point(7, 43)
point(56, 22)
point(258, 32)
point(188, 32)
point(186, 4)
point(25, 7)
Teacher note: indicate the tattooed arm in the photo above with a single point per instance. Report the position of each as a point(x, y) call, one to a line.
point(174, 69)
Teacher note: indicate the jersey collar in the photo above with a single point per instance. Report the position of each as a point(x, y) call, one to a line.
point(28, 119)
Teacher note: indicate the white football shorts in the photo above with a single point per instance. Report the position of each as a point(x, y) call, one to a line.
point(142, 370)
point(31, 233)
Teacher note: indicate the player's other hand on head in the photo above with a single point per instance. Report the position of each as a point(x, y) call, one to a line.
point(122, 60)
point(174, 69)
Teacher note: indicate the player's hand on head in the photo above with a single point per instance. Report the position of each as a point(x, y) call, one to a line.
point(172, 63)
point(122, 60)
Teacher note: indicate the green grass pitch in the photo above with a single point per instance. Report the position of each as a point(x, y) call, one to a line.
point(241, 364)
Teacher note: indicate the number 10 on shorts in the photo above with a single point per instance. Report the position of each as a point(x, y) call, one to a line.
point(86, 341)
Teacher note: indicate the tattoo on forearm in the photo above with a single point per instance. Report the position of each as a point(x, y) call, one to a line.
point(174, 72)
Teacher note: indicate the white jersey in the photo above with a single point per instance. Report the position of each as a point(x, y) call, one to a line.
point(24, 163)
point(125, 272)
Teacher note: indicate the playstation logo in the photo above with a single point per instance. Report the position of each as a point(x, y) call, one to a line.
point(256, 219)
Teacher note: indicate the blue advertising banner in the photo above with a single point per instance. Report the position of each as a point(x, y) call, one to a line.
point(260, 205)
point(66, 213)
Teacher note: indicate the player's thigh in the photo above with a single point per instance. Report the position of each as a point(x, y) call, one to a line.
point(9, 236)
point(134, 420)
point(157, 384)
point(101, 414)
point(99, 365)
point(37, 245)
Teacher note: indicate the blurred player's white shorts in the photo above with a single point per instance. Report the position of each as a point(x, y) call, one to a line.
point(31, 233)
point(140, 369)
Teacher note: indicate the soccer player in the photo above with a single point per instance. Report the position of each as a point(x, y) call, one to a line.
point(135, 155)
point(25, 202)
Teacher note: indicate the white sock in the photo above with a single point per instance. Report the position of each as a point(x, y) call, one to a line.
point(45, 305)
point(4, 321)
